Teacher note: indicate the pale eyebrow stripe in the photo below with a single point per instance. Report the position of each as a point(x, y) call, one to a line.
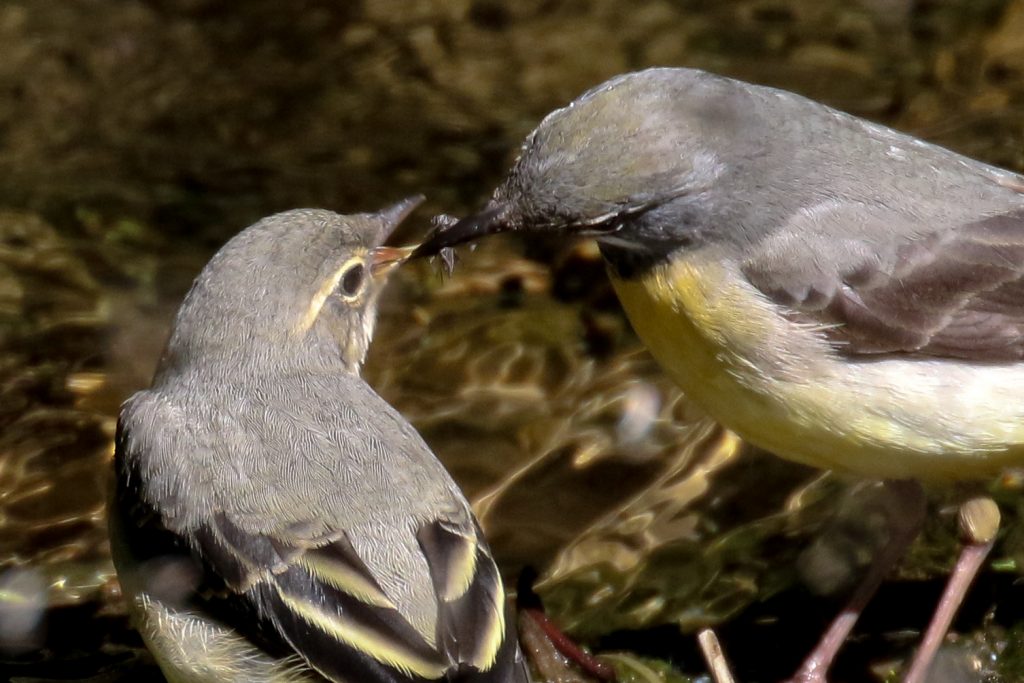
point(328, 286)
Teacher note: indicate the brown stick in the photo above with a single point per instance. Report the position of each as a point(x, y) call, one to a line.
point(714, 656)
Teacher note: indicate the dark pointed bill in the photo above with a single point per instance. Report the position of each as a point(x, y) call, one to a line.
point(443, 237)
point(383, 259)
point(393, 216)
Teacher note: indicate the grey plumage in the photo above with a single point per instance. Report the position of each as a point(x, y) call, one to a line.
point(894, 244)
point(303, 516)
point(835, 292)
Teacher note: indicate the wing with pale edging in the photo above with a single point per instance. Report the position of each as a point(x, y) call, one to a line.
point(318, 596)
point(947, 293)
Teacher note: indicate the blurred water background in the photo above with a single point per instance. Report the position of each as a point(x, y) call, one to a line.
point(136, 136)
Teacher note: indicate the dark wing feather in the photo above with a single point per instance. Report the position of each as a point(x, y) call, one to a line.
point(957, 293)
point(323, 602)
point(472, 599)
point(314, 594)
point(328, 606)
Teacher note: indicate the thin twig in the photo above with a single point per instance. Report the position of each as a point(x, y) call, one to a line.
point(714, 656)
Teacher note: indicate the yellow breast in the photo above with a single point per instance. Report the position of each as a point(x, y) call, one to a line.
point(780, 386)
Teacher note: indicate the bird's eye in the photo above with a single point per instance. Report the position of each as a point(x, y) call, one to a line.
point(352, 280)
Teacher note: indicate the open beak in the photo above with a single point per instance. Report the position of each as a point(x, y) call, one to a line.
point(384, 259)
point(393, 216)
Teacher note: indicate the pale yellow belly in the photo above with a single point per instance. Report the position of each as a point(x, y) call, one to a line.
point(781, 387)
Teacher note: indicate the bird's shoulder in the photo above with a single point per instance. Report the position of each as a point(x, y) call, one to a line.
point(326, 434)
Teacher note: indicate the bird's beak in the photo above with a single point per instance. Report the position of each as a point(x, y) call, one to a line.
point(491, 220)
point(393, 216)
point(497, 218)
point(384, 259)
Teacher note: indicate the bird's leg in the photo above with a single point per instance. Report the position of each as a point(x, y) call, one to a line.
point(979, 522)
point(904, 525)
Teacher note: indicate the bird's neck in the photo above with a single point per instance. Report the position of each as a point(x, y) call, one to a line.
point(237, 364)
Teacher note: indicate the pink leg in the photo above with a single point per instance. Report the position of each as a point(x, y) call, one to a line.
point(905, 523)
point(979, 522)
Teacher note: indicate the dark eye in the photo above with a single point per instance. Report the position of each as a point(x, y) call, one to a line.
point(352, 280)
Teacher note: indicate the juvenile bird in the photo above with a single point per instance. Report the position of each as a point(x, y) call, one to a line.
point(834, 291)
point(273, 518)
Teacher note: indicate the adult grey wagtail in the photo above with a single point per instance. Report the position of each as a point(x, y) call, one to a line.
point(274, 520)
point(834, 291)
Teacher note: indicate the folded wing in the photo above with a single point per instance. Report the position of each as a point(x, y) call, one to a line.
point(305, 588)
point(949, 293)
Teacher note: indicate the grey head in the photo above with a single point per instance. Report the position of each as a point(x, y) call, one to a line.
point(666, 159)
point(624, 149)
point(295, 291)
